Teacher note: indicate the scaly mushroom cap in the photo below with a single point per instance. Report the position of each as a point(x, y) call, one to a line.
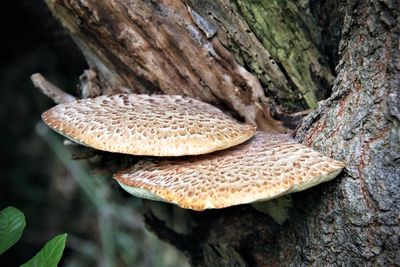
point(265, 167)
point(155, 125)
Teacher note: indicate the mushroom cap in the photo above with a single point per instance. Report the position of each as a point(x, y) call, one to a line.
point(265, 167)
point(151, 125)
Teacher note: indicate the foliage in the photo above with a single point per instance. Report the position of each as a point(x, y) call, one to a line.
point(12, 224)
point(50, 254)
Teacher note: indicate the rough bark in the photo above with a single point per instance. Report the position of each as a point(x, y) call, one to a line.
point(359, 124)
point(172, 47)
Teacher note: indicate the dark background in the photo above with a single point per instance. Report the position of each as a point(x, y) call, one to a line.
point(32, 178)
point(32, 42)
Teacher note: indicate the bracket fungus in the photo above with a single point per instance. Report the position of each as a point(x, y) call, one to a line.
point(149, 125)
point(233, 170)
point(265, 167)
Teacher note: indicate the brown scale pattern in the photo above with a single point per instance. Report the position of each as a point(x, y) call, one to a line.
point(265, 167)
point(152, 125)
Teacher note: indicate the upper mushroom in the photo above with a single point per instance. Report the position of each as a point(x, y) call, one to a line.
point(265, 167)
point(155, 125)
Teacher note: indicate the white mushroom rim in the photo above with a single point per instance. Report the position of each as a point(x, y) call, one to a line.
point(146, 194)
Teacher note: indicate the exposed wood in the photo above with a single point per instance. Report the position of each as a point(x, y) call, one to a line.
point(150, 47)
point(49, 89)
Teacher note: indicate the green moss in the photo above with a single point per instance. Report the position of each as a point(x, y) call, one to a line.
point(284, 30)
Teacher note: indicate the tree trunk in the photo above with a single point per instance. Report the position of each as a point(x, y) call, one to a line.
point(259, 61)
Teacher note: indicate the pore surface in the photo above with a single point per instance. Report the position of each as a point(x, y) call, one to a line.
point(265, 167)
point(153, 125)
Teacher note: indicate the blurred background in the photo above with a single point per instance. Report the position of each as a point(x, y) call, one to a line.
point(37, 174)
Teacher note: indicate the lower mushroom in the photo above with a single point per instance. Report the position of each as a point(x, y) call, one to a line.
point(265, 167)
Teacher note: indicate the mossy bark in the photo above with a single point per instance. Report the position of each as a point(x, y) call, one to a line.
point(287, 30)
point(147, 47)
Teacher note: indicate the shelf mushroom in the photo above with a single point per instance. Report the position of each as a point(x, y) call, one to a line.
point(148, 125)
point(265, 167)
point(225, 169)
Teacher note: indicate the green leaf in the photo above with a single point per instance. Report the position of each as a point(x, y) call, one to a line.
point(12, 223)
point(50, 254)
